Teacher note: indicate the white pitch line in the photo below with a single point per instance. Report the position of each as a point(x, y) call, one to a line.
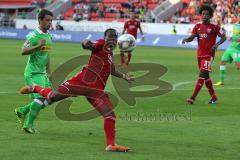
point(12, 92)
point(176, 85)
point(181, 84)
point(205, 89)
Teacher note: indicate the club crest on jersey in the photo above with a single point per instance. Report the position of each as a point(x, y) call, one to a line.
point(209, 30)
point(27, 43)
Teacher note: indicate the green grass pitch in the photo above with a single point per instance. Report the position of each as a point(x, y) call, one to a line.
point(200, 131)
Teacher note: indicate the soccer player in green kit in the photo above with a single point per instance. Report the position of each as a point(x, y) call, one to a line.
point(37, 46)
point(232, 54)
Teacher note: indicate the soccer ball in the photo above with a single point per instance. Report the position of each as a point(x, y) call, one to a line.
point(126, 43)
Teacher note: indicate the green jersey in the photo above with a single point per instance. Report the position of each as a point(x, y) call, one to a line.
point(236, 35)
point(38, 60)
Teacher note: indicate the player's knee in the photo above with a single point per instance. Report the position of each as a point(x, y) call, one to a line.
point(223, 63)
point(238, 66)
point(106, 112)
point(204, 74)
point(43, 102)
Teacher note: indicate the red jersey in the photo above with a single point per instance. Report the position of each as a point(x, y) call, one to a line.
point(132, 27)
point(99, 66)
point(206, 34)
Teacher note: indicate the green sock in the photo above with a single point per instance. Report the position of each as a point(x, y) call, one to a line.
point(32, 115)
point(222, 72)
point(25, 109)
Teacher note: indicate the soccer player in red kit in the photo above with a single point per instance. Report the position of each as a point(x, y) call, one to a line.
point(90, 82)
point(132, 27)
point(206, 34)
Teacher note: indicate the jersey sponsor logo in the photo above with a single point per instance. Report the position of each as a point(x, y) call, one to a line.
point(132, 27)
point(45, 48)
point(202, 35)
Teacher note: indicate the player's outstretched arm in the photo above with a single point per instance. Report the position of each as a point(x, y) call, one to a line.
point(30, 50)
point(87, 44)
point(118, 74)
point(189, 39)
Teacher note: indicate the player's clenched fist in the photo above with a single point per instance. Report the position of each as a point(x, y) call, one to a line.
point(128, 78)
point(42, 43)
point(86, 44)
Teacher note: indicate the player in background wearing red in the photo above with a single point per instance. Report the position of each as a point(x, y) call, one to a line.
point(131, 26)
point(90, 82)
point(206, 34)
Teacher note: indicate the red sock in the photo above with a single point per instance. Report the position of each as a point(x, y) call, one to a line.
point(210, 88)
point(109, 127)
point(129, 57)
point(198, 87)
point(45, 92)
point(122, 58)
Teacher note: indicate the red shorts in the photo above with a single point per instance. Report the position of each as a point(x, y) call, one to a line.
point(93, 92)
point(205, 63)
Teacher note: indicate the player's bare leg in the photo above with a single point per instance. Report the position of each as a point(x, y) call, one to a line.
point(105, 109)
point(109, 128)
point(122, 58)
point(237, 64)
point(129, 58)
point(48, 93)
point(203, 77)
point(198, 87)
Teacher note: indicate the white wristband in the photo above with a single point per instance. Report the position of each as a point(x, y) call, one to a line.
point(124, 76)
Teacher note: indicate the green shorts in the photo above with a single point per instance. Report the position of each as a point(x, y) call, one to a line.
point(37, 79)
point(231, 55)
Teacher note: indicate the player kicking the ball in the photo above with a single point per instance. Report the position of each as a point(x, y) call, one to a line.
point(206, 34)
point(90, 82)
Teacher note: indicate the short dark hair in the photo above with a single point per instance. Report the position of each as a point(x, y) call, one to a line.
point(43, 13)
point(109, 30)
point(206, 8)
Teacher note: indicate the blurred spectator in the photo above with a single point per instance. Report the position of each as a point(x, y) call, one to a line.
point(92, 10)
point(86, 15)
point(174, 30)
point(129, 5)
point(59, 27)
point(60, 16)
point(25, 26)
point(225, 10)
point(100, 11)
point(112, 9)
point(77, 16)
